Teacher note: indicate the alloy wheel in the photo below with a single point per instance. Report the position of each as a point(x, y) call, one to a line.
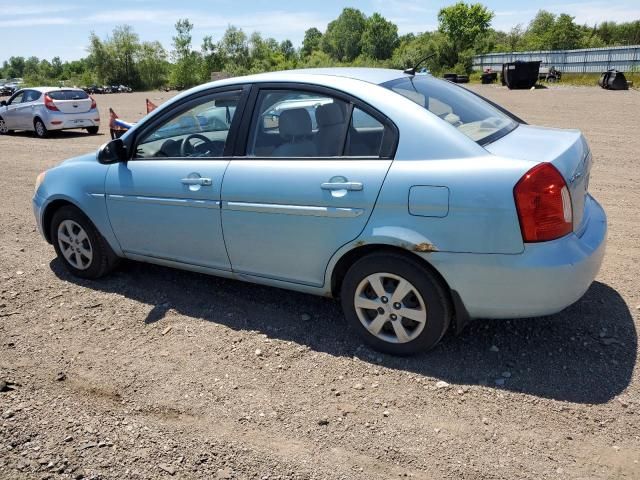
point(3, 127)
point(75, 245)
point(390, 307)
point(40, 129)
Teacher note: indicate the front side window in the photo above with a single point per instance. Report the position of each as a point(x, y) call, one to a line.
point(470, 114)
point(200, 131)
point(16, 98)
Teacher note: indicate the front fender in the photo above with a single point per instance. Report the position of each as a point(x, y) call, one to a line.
point(79, 182)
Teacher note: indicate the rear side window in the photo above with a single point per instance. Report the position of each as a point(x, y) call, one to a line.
point(68, 95)
point(365, 135)
point(309, 124)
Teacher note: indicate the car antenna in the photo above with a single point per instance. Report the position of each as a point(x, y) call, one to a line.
point(412, 70)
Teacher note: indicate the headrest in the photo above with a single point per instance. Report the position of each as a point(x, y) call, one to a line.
point(329, 114)
point(295, 122)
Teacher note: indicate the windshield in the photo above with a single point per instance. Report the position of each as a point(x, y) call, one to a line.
point(469, 113)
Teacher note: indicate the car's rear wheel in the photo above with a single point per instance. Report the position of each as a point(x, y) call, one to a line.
point(93, 130)
point(39, 128)
point(395, 304)
point(79, 245)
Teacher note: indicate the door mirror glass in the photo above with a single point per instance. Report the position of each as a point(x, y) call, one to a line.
point(3, 103)
point(113, 152)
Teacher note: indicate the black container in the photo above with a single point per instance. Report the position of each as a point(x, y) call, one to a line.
point(613, 80)
point(520, 74)
point(489, 77)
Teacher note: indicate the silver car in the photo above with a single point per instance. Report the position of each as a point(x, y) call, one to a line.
point(43, 109)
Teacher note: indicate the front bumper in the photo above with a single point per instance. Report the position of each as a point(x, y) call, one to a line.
point(546, 278)
point(37, 203)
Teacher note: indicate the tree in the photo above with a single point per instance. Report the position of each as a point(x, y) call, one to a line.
point(124, 46)
point(312, 41)
point(286, 48)
point(152, 64)
point(379, 38)
point(342, 39)
point(185, 69)
point(463, 23)
point(100, 59)
point(211, 60)
point(234, 50)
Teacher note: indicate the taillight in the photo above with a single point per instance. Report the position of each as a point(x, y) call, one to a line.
point(544, 204)
point(93, 102)
point(49, 105)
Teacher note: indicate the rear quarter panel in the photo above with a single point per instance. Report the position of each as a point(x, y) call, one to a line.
point(481, 215)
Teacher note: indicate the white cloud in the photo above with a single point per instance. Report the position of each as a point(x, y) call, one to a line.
point(35, 21)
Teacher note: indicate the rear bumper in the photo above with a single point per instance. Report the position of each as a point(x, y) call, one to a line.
point(544, 279)
point(61, 121)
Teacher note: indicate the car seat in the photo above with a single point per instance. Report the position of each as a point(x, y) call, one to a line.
point(295, 129)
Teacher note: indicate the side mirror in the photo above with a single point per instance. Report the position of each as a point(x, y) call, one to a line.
point(3, 103)
point(113, 152)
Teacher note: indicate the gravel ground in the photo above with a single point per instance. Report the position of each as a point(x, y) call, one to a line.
point(155, 373)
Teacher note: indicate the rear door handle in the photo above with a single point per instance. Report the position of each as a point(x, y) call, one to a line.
point(205, 182)
point(341, 186)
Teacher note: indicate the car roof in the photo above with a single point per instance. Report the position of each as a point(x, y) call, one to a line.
point(370, 75)
point(51, 89)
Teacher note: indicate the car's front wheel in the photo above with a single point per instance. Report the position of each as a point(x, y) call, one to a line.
point(39, 128)
point(79, 245)
point(395, 304)
point(3, 127)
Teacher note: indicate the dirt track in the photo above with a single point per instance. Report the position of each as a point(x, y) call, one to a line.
point(155, 372)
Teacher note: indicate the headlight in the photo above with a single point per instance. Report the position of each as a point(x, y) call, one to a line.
point(39, 180)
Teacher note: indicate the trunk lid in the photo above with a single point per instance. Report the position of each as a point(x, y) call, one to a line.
point(567, 150)
point(71, 101)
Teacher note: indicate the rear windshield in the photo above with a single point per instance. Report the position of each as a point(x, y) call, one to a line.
point(68, 95)
point(469, 113)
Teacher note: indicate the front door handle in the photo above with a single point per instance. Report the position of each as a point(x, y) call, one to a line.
point(205, 182)
point(341, 186)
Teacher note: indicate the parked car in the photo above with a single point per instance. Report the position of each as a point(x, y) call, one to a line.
point(43, 109)
point(419, 204)
point(93, 89)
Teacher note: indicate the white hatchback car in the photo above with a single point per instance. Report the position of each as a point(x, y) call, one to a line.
point(43, 109)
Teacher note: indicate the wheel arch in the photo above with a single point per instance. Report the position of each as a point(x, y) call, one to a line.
point(50, 210)
point(461, 316)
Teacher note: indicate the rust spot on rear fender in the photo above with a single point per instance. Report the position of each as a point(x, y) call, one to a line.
point(425, 247)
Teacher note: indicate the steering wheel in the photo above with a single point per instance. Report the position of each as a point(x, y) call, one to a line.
point(186, 149)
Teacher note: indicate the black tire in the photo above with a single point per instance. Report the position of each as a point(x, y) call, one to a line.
point(40, 129)
point(3, 129)
point(93, 130)
point(430, 287)
point(103, 261)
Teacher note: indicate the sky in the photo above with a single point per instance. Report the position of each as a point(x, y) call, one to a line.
point(48, 28)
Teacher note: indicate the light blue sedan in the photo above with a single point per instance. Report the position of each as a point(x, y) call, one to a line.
point(419, 204)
